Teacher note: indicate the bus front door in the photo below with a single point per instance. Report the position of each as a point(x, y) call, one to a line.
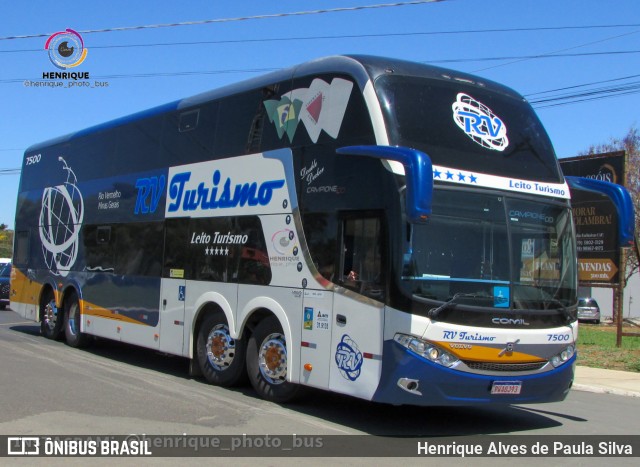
point(358, 308)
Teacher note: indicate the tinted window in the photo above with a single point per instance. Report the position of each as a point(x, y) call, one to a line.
point(139, 146)
point(126, 249)
point(189, 135)
point(321, 230)
point(98, 249)
point(496, 251)
point(176, 253)
point(587, 302)
point(21, 248)
point(138, 249)
point(361, 266)
point(210, 258)
point(219, 249)
point(419, 113)
point(235, 121)
point(253, 258)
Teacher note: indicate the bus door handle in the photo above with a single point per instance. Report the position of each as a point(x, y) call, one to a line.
point(164, 303)
point(341, 319)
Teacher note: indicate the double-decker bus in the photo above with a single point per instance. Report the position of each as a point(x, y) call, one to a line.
point(385, 229)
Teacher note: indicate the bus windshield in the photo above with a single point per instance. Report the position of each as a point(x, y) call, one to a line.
point(494, 251)
point(419, 115)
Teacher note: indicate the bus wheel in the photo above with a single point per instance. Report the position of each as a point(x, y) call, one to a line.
point(221, 357)
point(51, 325)
point(267, 362)
point(72, 318)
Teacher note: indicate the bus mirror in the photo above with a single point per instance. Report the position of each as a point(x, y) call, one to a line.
point(418, 173)
point(620, 198)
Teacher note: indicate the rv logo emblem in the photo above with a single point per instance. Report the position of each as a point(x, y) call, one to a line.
point(479, 123)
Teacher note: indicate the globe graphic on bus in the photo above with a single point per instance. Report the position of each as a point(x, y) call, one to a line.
point(61, 217)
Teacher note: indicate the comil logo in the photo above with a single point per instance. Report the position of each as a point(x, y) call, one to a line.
point(479, 123)
point(66, 49)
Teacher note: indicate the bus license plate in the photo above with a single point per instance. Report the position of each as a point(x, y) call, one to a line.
point(506, 387)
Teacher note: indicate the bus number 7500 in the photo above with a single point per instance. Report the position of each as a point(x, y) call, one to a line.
point(33, 159)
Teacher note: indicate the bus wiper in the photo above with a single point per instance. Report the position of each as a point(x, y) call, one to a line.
point(433, 312)
point(561, 307)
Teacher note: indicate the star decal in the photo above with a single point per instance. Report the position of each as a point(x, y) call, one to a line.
point(446, 174)
point(217, 251)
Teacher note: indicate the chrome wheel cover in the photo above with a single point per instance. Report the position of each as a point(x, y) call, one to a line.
point(220, 347)
point(272, 359)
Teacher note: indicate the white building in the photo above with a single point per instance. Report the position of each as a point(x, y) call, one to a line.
point(604, 297)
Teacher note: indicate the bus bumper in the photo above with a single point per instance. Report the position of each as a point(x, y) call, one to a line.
point(431, 384)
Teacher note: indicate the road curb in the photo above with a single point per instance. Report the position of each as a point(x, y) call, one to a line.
point(604, 390)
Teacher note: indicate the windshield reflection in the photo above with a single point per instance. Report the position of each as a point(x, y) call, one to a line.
point(499, 252)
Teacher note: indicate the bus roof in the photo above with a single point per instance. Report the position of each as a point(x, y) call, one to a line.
point(363, 68)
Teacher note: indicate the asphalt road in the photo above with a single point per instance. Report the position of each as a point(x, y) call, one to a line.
point(47, 388)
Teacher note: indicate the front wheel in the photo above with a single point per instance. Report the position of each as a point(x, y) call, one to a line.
point(220, 356)
point(267, 362)
point(50, 316)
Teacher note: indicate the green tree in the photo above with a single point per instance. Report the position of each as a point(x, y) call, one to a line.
point(6, 242)
point(630, 143)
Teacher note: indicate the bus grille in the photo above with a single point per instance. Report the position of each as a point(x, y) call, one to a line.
point(487, 366)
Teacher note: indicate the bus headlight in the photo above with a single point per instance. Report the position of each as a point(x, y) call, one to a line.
point(563, 356)
point(426, 350)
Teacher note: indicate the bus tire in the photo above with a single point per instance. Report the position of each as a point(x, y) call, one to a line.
point(50, 316)
point(267, 362)
point(221, 357)
point(72, 318)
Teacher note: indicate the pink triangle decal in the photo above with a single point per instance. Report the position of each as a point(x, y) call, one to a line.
point(315, 107)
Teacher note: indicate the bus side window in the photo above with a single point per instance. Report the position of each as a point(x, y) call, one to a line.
point(22, 248)
point(320, 231)
point(99, 250)
point(138, 248)
point(361, 256)
point(176, 258)
point(253, 258)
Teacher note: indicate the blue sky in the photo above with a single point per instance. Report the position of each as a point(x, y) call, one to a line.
point(475, 36)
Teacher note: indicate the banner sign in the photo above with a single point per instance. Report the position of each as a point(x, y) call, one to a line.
point(595, 217)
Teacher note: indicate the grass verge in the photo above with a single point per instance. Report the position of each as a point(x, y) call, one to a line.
point(597, 348)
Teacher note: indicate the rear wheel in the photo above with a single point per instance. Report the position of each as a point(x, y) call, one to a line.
point(267, 362)
point(51, 316)
point(220, 356)
point(72, 318)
